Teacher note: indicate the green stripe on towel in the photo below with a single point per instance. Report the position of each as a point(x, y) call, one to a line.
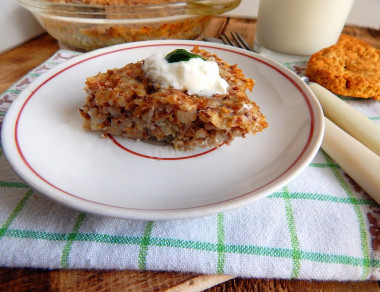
point(70, 239)
point(14, 213)
point(293, 234)
point(144, 244)
point(359, 214)
point(220, 246)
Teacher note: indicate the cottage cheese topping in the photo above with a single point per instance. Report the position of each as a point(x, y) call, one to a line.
point(197, 76)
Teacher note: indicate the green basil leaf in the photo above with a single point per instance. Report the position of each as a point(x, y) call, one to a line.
point(179, 55)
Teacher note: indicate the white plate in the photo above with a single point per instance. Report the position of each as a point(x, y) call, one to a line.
point(45, 143)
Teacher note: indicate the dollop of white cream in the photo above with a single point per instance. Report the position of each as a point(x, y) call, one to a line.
point(197, 76)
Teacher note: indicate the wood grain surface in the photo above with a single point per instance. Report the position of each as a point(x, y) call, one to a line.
point(17, 62)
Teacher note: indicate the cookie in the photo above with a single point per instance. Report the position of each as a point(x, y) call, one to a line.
point(349, 68)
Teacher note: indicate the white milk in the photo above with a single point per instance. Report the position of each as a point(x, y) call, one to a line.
point(300, 27)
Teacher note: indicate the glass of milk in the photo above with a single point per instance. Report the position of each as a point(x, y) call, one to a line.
point(299, 27)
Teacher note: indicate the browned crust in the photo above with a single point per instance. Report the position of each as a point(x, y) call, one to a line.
point(349, 68)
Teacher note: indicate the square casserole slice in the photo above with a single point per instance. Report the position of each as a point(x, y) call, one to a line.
point(123, 102)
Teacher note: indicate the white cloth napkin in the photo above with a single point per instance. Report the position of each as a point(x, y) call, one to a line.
point(320, 226)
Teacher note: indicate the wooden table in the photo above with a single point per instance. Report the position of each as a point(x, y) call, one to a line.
point(17, 62)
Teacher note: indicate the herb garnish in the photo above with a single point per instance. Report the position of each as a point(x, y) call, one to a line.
point(179, 55)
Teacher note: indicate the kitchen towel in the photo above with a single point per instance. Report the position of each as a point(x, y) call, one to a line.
point(319, 226)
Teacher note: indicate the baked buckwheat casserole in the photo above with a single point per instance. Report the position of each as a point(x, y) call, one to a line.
point(85, 25)
point(124, 102)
